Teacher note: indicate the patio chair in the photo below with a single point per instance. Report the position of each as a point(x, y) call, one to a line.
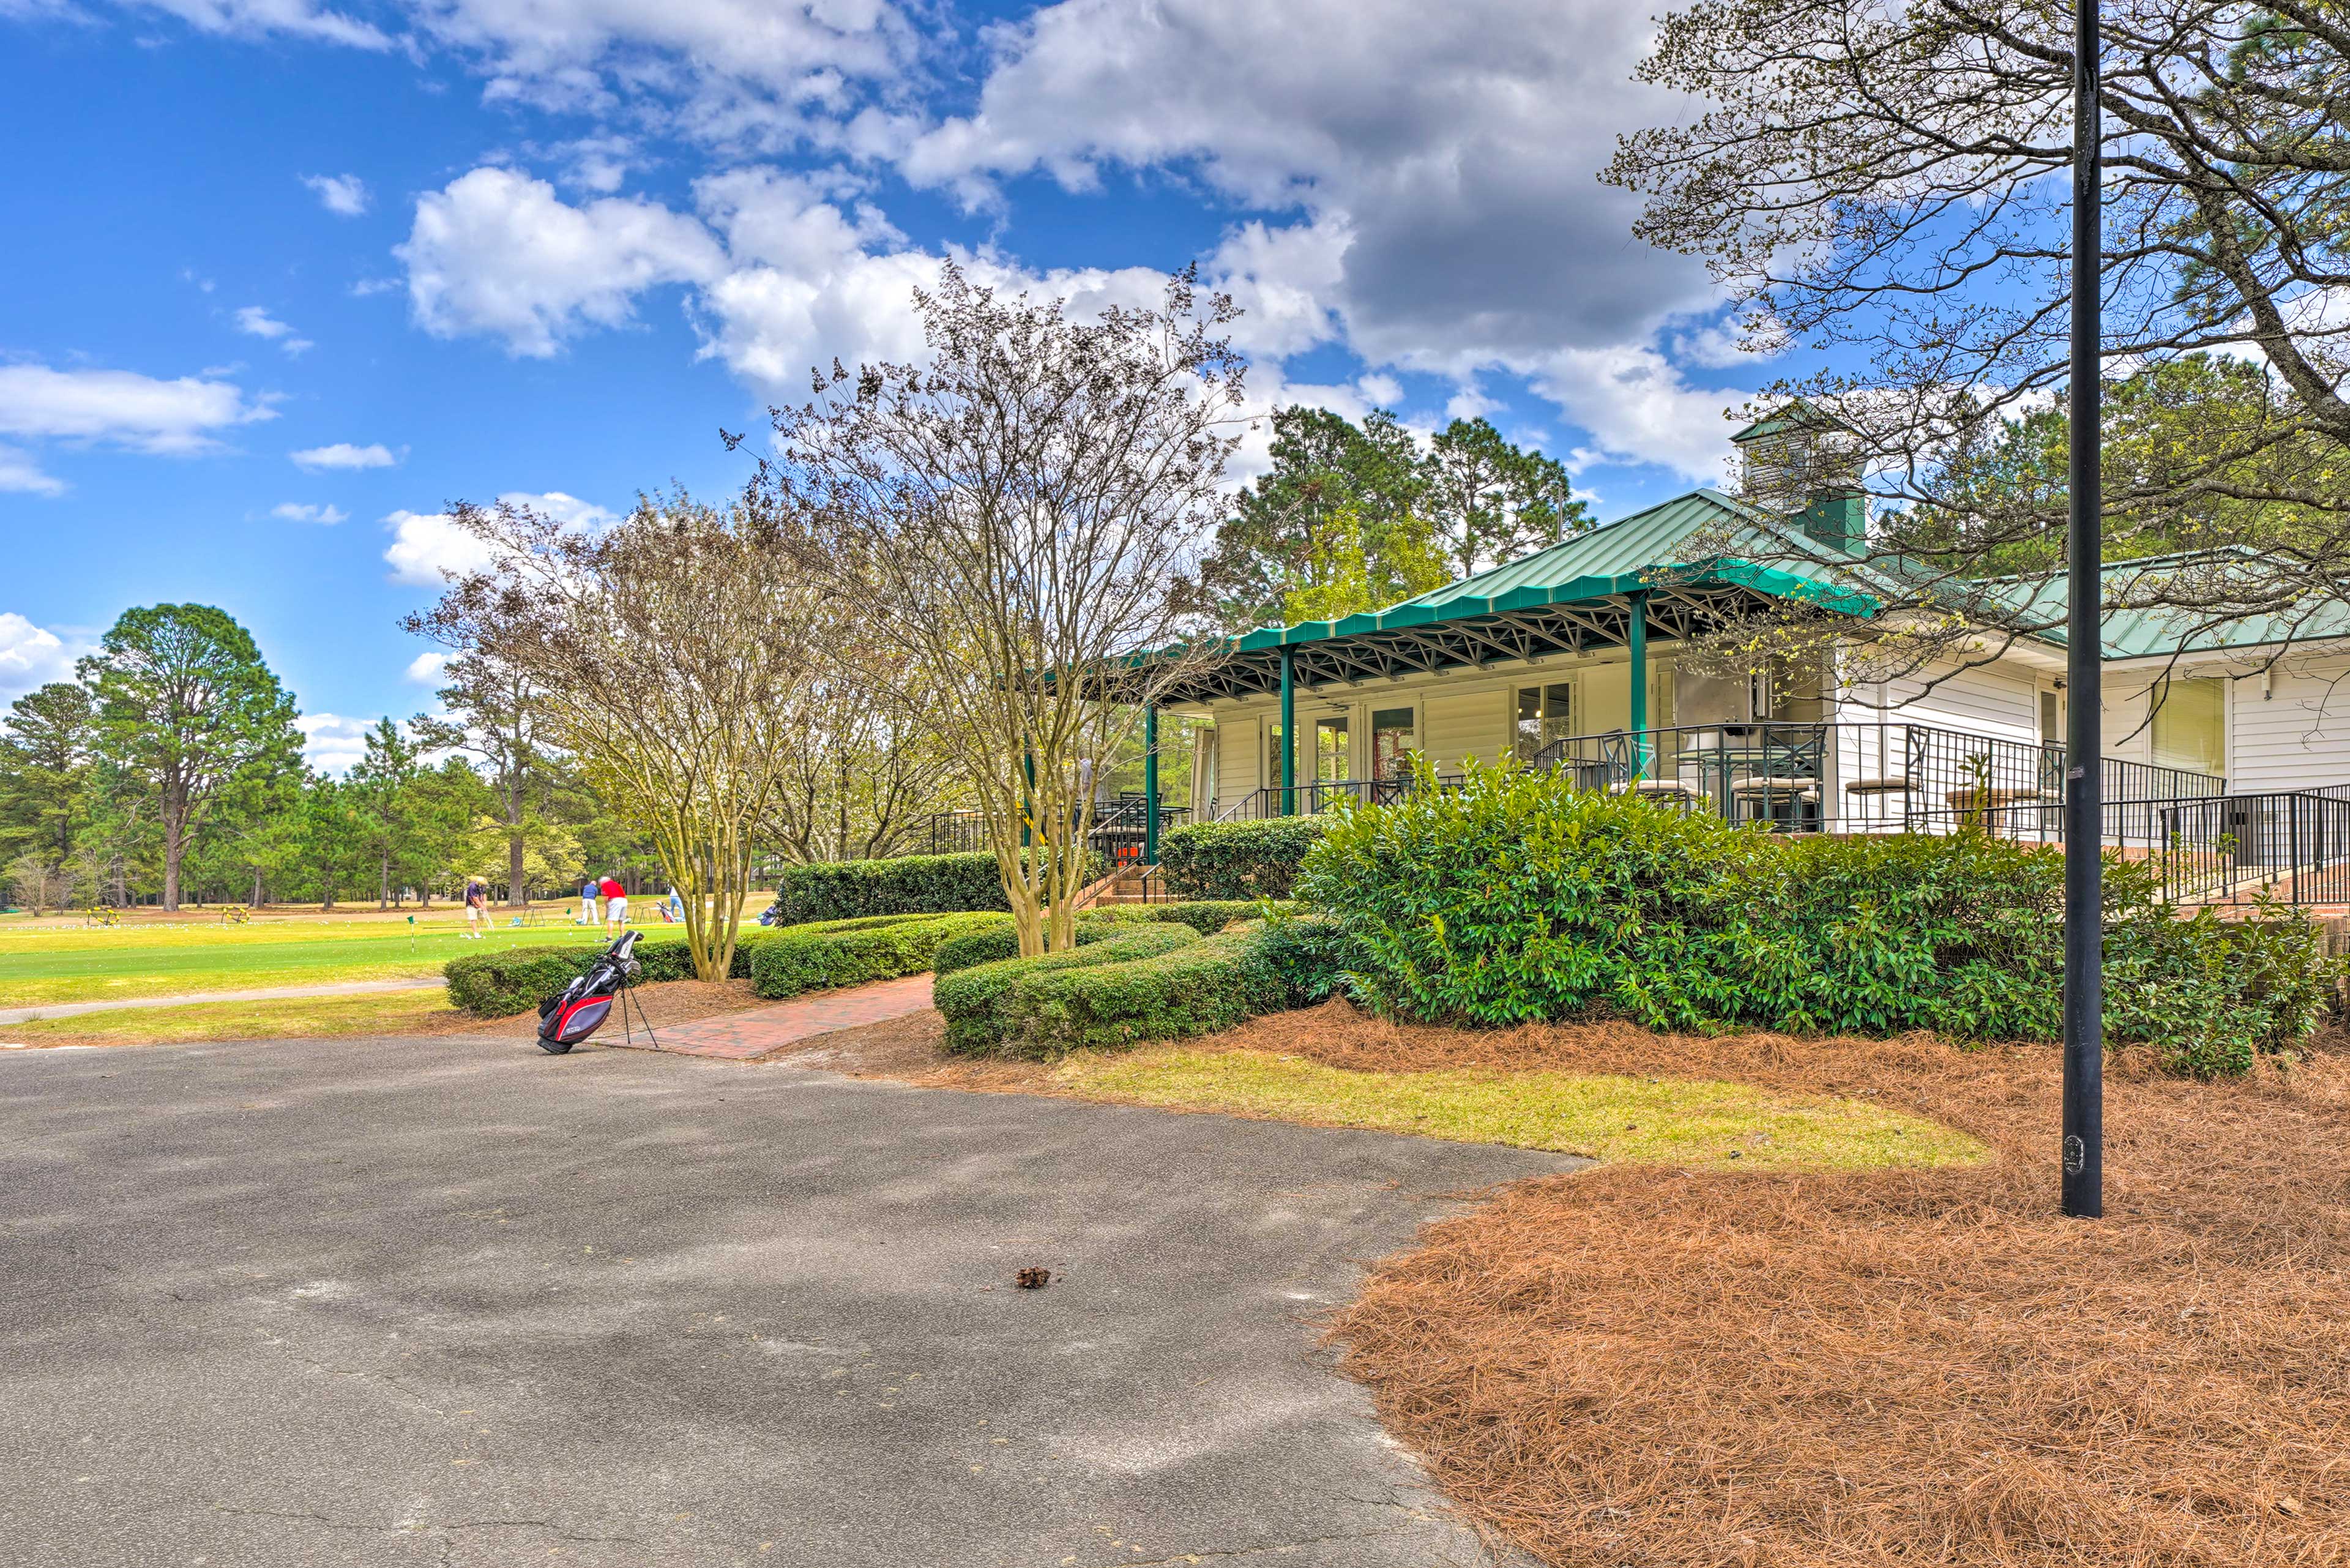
point(1665, 792)
point(1791, 800)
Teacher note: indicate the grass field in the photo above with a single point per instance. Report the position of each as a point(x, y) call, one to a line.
point(1696, 1123)
point(373, 1012)
point(58, 959)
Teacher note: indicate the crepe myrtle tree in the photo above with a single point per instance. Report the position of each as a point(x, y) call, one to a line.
point(667, 654)
point(1885, 181)
point(1012, 516)
point(185, 705)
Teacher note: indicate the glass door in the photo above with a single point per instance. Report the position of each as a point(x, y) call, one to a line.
point(1394, 737)
point(1333, 759)
point(1545, 713)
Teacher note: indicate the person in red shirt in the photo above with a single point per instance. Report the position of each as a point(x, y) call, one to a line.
point(616, 906)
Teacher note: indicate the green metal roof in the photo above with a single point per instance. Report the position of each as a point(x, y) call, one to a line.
point(1578, 594)
point(1685, 565)
point(2162, 630)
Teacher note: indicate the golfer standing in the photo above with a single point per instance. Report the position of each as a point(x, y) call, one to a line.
point(587, 903)
point(616, 906)
point(477, 898)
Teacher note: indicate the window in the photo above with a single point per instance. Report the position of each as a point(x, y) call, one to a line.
point(1272, 779)
point(1545, 713)
point(1760, 698)
point(1333, 762)
point(2191, 726)
point(1394, 738)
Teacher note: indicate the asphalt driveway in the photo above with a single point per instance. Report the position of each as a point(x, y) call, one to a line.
point(452, 1301)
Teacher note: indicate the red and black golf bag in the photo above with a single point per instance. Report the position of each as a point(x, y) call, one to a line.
point(586, 1002)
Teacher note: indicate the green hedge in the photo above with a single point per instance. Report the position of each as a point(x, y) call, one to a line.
point(1237, 860)
point(500, 985)
point(908, 885)
point(971, 998)
point(1518, 897)
point(791, 961)
point(1205, 916)
point(1195, 989)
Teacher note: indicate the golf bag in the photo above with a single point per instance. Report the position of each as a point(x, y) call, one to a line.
point(586, 1002)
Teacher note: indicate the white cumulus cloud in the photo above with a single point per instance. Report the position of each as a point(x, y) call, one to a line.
point(122, 407)
point(500, 254)
point(427, 548)
point(425, 669)
point(343, 454)
point(304, 512)
point(332, 744)
point(30, 655)
point(345, 195)
point(566, 509)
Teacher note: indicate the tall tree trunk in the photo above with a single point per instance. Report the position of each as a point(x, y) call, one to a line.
point(517, 896)
point(175, 850)
point(257, 890)
point(383, 882)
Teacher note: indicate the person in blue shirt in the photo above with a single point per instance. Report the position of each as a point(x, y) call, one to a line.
point(587, 904)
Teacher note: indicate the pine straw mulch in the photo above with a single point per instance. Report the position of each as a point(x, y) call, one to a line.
point(1637, 1366)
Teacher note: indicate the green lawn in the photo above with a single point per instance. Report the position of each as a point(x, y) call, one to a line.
point(1674, 1121)
point(371, 1013)
point(56, 960)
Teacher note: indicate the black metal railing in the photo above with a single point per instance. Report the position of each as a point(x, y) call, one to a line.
point(2293, 845)
point(1846, 777)
point(1122, 826)
point(1307, 799)
point(1120, 829)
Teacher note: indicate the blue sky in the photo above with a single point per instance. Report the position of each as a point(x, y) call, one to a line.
point(287, 277)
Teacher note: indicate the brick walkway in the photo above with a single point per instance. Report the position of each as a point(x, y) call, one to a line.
point(742, 1036)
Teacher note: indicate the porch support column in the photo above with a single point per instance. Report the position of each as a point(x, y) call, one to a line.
point(1288, 731)
point(1638, 641)
point(1150, 783)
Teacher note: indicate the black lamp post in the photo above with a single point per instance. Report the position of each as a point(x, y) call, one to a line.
point(2085, 1087)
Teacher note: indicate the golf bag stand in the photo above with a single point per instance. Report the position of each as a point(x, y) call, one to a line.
point(583, 1005)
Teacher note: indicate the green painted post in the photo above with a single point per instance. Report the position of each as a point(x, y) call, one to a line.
point(1150, 783)
point(1288, 731)
point(1638, 642)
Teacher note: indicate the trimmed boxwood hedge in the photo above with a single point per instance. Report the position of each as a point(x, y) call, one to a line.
point(971, 998)
point(1205, 916)
point(992, 944)
point(1237, 859)
point(500, 985)
point(908, 885)
point(1195, 989)
point(791, 961)
point(1113, 993)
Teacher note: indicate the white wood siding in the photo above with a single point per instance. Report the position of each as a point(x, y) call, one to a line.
point(2299, 735)
point(1463, 724)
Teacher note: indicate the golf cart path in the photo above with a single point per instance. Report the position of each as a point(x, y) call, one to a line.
point(269, 994)
point(453, 1302)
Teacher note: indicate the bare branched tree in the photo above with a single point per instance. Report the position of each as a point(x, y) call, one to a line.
point(1885, 180)
point(667, 655)
point(863, 769)
point(1014, 517)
